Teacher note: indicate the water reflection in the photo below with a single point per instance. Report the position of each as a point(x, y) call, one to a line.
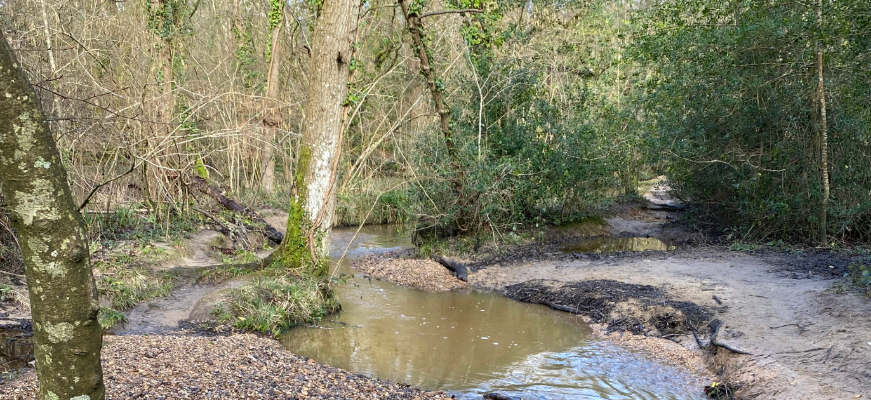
point(615, 244)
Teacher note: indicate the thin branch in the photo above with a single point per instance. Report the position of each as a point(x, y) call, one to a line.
point(98, 187)
point(463, 11)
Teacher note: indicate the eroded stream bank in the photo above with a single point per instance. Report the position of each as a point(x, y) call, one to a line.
point(806, 340)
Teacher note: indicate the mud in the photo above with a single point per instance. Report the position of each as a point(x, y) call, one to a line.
point(807, 340)
point(639, 309)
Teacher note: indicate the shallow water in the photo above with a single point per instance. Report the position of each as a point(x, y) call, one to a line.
point(615, 244)
point(469, 343)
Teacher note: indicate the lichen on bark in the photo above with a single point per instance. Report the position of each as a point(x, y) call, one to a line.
point(63, 299)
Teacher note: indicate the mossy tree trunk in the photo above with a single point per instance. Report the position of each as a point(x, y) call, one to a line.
point(63, 297)
point(306, 245)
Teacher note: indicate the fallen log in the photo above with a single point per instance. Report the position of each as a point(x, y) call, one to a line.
point(200, 184)
point(459, 270)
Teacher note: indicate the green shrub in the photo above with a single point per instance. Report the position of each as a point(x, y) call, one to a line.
point(860, 275)
point(273, 304)
point(109, 317)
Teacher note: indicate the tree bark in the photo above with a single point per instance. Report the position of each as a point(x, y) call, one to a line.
point(415, 28)
point(306, 244)
point(824, 137)
point(272, 119)
point(63, 296)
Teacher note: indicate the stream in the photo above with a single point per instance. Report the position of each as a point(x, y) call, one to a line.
point(469, 343)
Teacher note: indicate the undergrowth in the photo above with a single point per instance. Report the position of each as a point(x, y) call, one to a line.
point(109, 317)
point(271, 304)
point(860, 276)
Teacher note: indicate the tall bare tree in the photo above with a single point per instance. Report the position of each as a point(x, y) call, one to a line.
point(63, 297)
point(313, 198)
point(824, 136)
point(272, 118)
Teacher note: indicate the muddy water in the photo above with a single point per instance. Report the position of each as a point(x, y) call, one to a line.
point(616, 244)
point(469, 343)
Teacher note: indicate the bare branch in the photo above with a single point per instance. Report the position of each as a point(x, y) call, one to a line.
point(463, 11)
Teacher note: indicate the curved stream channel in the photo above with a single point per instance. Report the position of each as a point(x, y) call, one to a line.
point(469, 343)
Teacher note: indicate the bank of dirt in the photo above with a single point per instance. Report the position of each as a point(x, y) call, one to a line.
point(220, 367)
point(806, 340)
point(399, 268)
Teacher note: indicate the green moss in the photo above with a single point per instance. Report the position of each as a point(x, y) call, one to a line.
point(295, 252)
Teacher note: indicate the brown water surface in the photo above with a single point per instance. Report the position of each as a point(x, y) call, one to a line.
point(471, 342)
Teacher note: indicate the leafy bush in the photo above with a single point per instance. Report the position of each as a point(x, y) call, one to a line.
point(860, 275)
point(731, 106)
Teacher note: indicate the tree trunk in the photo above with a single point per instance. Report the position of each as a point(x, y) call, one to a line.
point(824, 137)
point(306, 244)
point(415, 29)
point(63, 296)
point(272, 118)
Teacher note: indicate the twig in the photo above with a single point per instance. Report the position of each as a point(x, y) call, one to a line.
point(695, 332)
point(801, 351)
point(11, 274)
point(717, 343)
point(98, 187)
point(824, 336)
point(828, 353)
point(467, 10)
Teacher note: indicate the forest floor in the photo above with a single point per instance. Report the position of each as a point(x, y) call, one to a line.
point(239, 366)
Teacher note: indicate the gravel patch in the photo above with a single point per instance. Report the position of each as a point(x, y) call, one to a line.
point(420, 274)
point(221, 367)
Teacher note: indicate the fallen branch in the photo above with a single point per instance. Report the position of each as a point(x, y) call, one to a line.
point(717, 343)
point(464, 11)
point(459, 270)
point(224, 228)
point(200, 184)
point(695, 332)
